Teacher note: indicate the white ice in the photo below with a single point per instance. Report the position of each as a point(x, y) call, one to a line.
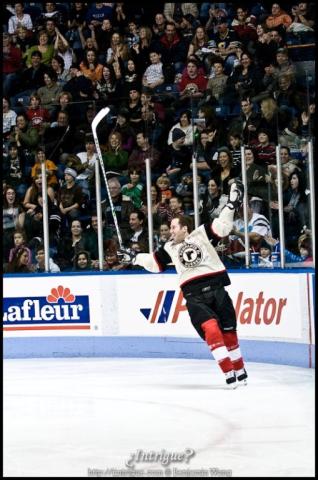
point(65, 416)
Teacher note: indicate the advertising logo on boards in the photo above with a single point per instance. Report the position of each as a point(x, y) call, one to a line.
point(60, 309)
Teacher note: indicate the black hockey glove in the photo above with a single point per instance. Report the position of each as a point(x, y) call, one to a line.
point(126, 255)
point(236, 195)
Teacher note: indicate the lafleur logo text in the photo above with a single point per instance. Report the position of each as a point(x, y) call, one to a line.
point(60, 309)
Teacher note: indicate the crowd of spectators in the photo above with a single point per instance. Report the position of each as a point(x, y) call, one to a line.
point(180, 79)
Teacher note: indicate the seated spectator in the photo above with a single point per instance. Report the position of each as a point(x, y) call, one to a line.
point(268, 82)
point(175, 12)
point(172, 47)
point(62, 49)
point(258, 227)
point(255, 175)
point(225, 171)
point(303, 18)
point(213, 202)
point(65, 104)
point(13, 217)
point(69, 245)
point(82, 261)
point(46, 50)
point(184, 124)
point(284, 65)
point(24, 39)
point(38, 116)
point(62, 73)
point(217, 84)
point(179, 156)
point(30, 80)
point(245, 78)
point(264, 149)
point(70, 197)
point(90, 67)
point(144, 150)
point(50, 168)
point(9, 118)
point(19, 19)
point(205, 154)
point(244, 25)
point(153, 76)
point(19, 240)
point(97, 12)
point(49, 93)
point(278, 18)
point(91, 235)
point(272, 118)
point(288, 97)
point(192, 85)
point(124, 128)
point(112, 260)
point(175, 207)
point(235, 143)
point(247, 122)
point(88, 159)
point(14, 170)
point(59, 139)
point(117, 50)
point(33, 204)
point(129, 75)
point(265, 251)
point(200, 40)
point(134, 189)
point(137, 228)
point(115, 158)
point(19, 262)
point(122, 208)
point(296, 206)
point(303, 254)
point(107, 89)
point(80, 87)
point(163, 237)
point(103, 34)
point(51, 13)
point(39, 267)
point(134, 108)
point(25, 136)
point(291, 135)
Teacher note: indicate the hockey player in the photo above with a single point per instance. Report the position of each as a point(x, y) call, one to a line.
point(202, 279)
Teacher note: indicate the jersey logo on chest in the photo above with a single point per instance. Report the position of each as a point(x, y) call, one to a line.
point(190, 255)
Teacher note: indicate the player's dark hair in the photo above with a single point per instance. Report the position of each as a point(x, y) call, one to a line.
point(185, 221)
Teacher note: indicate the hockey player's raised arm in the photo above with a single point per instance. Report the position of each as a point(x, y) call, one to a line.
point(223, 224)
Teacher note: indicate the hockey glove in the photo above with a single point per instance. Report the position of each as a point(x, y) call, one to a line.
point(126, 255)
point(236, 195)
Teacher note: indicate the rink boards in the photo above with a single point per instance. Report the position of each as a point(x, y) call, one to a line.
point(139, 314)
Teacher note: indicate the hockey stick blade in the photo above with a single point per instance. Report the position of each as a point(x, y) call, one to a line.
point(101, 114)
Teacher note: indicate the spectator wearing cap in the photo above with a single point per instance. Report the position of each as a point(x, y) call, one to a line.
point(70, 196)
point(179, 156)
point(278, 18)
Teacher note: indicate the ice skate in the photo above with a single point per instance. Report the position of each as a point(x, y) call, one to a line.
point(230, 379)
point(241, 376)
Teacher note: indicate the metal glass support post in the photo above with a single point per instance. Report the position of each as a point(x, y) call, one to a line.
point(45, 218)
point(99, 217)
point(280, 207)
point(312, 198)
point(149, 205)
point(245, 209)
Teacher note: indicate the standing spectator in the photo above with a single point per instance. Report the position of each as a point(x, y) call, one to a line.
point(14, 170)
point(62, 49)
point(225, 171)
point(26, 136)
point(174, 12)
point(98, 12)
point(91, 68)
point(12, 65)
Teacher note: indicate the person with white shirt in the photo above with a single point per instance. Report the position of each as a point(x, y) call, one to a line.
point(19, 19)
point(153, 76)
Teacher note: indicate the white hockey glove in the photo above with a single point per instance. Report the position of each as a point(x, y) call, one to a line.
point(126, 256)
point(236, 195)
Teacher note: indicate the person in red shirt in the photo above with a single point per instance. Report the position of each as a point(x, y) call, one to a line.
point(12, 64)
point(192, 85)
point(36, 114)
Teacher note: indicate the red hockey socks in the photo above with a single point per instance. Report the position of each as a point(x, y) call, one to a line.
point(214, 338)
point(231, 343)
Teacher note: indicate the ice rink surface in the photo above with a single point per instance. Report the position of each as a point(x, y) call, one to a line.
point(63, 417)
